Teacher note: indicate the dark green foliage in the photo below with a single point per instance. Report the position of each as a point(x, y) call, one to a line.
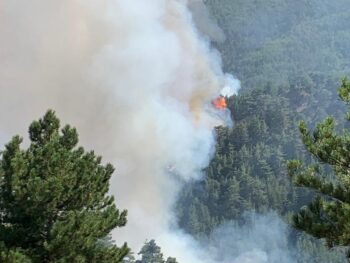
point(171, 260)
point(151, 253)
point(278, 40)
point(311, 250)
point(248, 171)
point(12, 255)
point(289, 56)
point(328, 216)
point(53, 199)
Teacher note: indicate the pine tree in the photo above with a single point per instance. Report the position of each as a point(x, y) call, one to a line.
point(171, 260)
point(328, 216)
point(54, 205)
point(151, 253)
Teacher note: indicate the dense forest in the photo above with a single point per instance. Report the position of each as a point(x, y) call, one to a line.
point(278, 40)
point(290, 57)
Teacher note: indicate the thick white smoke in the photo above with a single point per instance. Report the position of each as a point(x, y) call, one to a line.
point(134, 77)
point(264, 239)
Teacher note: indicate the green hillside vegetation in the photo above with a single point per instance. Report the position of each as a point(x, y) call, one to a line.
point(276, 40)
point(248, 172)
point(290, 57)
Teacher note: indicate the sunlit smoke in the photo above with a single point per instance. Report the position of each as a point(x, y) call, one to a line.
point(263, 239)
point(135, 78)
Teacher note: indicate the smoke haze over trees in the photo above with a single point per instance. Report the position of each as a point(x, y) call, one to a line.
point(137, 78)
point(290, 57)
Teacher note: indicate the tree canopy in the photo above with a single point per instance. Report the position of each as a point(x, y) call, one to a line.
point(151, 252)
point(328, 216)
point(54, 205)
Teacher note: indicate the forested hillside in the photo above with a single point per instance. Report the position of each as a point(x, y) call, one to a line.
point(290, 56)
point(277, 40)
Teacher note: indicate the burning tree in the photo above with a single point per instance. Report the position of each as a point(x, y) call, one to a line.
point(53, 199)
point(220, 103)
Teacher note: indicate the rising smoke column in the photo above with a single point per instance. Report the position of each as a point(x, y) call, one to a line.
point(135, 78)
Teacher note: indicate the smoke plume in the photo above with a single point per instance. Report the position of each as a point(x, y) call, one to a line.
point(264, 239)
point(135, 78)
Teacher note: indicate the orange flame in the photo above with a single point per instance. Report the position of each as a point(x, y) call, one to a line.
point(220, 103)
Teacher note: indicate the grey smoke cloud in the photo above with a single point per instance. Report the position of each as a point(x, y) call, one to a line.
point(263, 240)
point(134, 77)
point(205, 22)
